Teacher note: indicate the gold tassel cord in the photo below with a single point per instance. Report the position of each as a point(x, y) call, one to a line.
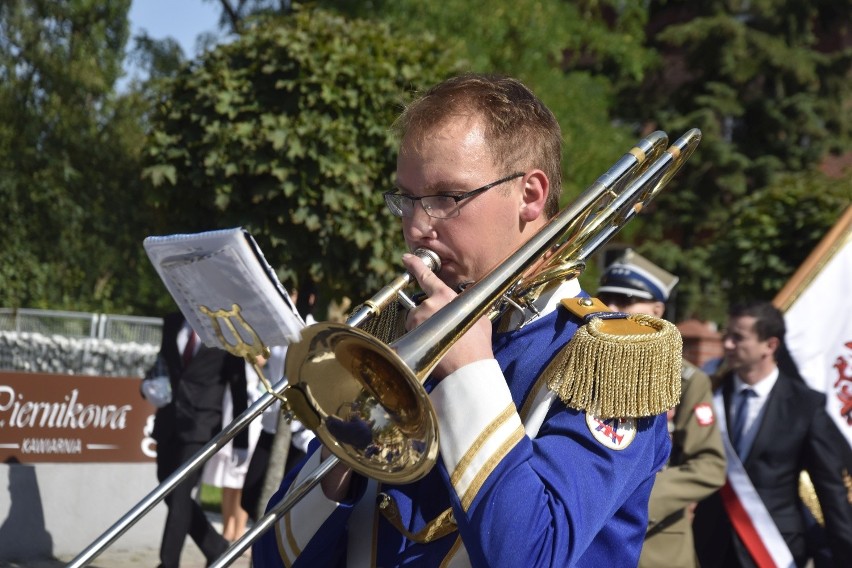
point(439, 527)
point(807, 493)
point(620, 368)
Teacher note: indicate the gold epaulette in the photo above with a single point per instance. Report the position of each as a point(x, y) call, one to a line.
point(625, 367)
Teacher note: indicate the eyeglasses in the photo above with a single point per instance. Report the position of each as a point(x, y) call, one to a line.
point(437, 206)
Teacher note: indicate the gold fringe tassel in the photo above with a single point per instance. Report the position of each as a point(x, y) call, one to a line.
point(807, 493)
point(389, 325)
point(617, 375)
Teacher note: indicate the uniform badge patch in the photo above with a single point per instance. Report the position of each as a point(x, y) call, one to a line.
point(614, 433)
point(704, 414)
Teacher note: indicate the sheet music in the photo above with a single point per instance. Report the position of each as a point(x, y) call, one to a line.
point(217, 270)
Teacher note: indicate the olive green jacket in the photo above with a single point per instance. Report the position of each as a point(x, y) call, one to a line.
point(695, 470)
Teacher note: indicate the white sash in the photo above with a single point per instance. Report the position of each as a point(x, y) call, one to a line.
point(362, 523)
point(360, 549)
point(748, 514)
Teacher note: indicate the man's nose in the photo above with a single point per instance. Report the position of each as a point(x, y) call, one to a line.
point(419, 222)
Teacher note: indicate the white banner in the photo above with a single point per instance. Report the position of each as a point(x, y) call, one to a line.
point(818, 314)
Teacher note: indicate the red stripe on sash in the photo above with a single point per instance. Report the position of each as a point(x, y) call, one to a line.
point(745, 529)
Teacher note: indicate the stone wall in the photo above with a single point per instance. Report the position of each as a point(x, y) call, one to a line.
point(35, 352)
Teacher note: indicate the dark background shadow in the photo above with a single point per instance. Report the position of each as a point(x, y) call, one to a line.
point(23, 534)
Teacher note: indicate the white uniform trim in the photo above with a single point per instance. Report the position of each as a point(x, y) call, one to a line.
point(457, 558)
point(542, 400)
point(477, 422)
point(312, 511)
point(360, 544)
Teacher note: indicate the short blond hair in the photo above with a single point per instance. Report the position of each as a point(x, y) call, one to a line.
point(522, 132)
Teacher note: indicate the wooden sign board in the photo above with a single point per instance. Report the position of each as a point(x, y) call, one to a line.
point(73, 418)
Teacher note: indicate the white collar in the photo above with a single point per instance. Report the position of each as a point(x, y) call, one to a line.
point(546, 302)
point(761, 388)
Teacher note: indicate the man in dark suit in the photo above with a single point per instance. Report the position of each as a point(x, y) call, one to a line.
point(198, 377)
point(776, 427)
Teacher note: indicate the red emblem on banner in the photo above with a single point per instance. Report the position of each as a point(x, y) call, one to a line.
point(704, 414)
point(843, 384)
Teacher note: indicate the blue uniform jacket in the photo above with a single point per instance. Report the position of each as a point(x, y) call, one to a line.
point(574, 495)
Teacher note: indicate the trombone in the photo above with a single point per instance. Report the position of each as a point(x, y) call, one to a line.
point(340, 375)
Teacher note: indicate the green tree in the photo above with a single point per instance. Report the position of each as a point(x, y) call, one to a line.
point(236, 13)
point(285, 131)
point(781, 221)
point(69, 157)
point(768, 83)
point(530, 40)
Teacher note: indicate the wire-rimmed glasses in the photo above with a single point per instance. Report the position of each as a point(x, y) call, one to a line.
point(438, 206)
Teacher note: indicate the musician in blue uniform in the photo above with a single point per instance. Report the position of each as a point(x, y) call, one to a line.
point(549, 443)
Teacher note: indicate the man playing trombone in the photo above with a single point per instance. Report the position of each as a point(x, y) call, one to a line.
point(530, 473)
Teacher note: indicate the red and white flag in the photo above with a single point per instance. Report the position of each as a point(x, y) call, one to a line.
point(817, 306)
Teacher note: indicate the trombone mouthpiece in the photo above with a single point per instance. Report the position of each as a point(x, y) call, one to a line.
point(429, 258)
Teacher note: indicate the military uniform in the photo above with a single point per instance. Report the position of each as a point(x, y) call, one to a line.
point(695, 470)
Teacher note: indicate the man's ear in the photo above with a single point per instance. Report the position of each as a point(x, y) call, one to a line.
point(535, 192)
point(773, 343)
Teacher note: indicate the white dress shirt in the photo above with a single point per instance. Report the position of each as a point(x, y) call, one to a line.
point(756, 408)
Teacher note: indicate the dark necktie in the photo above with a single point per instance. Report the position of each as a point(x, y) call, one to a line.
point(189, 350)
point(740, 413)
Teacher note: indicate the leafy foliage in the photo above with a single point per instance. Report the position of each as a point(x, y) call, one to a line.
point(285, 131)
point(235, 13)
point(774, 224)
point(529, 39)
point(68, 157)
point(768, 86)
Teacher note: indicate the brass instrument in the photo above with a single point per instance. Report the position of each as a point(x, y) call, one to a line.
point(343, 381)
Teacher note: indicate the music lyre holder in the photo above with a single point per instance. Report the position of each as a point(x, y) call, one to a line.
point(248, 350)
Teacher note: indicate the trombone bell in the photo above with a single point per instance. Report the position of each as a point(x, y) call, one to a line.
point(363, 402)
